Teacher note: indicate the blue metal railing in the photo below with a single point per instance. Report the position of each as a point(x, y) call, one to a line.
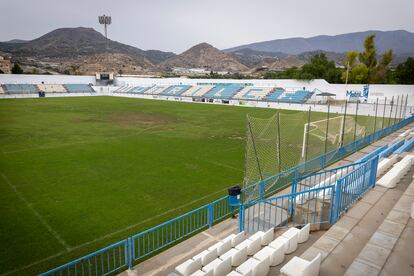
point(146, 243)
point(322, 204)
point(102, 262)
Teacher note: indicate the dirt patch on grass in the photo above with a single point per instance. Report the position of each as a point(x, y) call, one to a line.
point(141, 118)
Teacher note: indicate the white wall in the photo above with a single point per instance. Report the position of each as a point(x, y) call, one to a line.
point(48, 79)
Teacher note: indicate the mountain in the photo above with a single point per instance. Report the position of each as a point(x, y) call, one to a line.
point(205, 56)
point(81, 46)
point(16, 41)
point(402, 42)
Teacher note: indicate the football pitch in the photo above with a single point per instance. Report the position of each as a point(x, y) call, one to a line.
point(79, 173)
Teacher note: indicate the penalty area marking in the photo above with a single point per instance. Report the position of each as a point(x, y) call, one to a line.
point(105, 236)
point(36, 213)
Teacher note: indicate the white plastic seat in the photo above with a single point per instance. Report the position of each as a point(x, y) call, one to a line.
point(292, 235)
point(235, 273)
point(188, 267)
point(237, 256)
point(275, 256)
point(301, 267)
point(280, 241)
point(219, 267)
point(254, 267)
point(256, 235)
point(304, 233)
point(202, 273)
point(268, 236)
point(235, 238)
point(221, 247)
point(252, 245)
point(206, 256)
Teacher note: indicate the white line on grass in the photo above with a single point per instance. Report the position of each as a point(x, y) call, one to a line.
point(80, 142)
point(224, 165)
point(36, 213)
point(105, 236)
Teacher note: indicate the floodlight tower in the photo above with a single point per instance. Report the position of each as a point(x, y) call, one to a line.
point(105, 20)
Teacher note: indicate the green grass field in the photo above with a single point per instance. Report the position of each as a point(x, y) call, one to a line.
point(77, 174)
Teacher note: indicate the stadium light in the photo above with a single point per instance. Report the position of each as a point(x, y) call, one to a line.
point(105, 20)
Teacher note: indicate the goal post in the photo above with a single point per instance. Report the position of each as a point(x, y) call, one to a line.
point(317, 129)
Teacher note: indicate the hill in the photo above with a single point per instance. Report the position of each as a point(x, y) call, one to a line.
point(402, 42)
point(79, 46)
point(205, 56)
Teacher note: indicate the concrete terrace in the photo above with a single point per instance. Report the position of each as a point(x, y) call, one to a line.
point(350, 246)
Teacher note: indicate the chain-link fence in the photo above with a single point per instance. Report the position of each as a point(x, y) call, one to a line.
point(277, 144)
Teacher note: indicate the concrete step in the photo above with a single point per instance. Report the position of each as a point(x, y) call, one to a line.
point(343, 242)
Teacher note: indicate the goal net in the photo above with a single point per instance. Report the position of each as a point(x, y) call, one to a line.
point(332, 132)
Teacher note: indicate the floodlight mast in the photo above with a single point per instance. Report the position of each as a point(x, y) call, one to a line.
point(105, 20)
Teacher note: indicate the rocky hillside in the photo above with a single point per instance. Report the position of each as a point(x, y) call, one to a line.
point(69, 47)
point(204, 56)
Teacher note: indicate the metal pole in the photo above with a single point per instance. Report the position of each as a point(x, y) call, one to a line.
point(327, 129)
point(375, 119)
point(255, 151)
point(401, 109)
point(343, 124)
point(405, 107)
point(278, 141)
point(392, 105)
point(396, 110)
point(307, 135)
point(383, 114)
point(356, 119)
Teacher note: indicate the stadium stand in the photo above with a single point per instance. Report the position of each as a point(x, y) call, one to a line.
point(78, 88)
point(238, 254)
point(197, 91)
point(223, 91)
point(253, 93)
point(20, 88)
point(155, 90)
point(275, 94)
point(299, 96)
point(51, 88)
point(175, 90)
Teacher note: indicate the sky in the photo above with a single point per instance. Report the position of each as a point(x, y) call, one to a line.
point(176, 25)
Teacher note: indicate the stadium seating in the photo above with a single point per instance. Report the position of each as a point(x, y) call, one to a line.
point(51, 88)
point(78, 88)
point(253, 93)
point(20, 88)
point(175, 90)
point(236, 255)
point(299, 96)
point(132, 90)
point(275, 94)
point(300, 267)
point(223, 91)
point(197, 91)
point(155, 90)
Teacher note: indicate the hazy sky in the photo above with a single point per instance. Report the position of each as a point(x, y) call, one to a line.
point(175, 25)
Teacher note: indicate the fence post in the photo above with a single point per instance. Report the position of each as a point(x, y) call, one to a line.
point(210, 214)
point(129, 253)
point(241, 218)
point(338, 190)
point(262, 189)
point(374, 167)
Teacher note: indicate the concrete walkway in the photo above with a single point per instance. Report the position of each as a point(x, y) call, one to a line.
point(165, 262)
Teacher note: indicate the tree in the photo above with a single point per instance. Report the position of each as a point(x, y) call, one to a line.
point(364, 67)
point(404, 73)
point(16, 69)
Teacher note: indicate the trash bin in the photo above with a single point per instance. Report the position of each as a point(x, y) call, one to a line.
point(234, 195)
